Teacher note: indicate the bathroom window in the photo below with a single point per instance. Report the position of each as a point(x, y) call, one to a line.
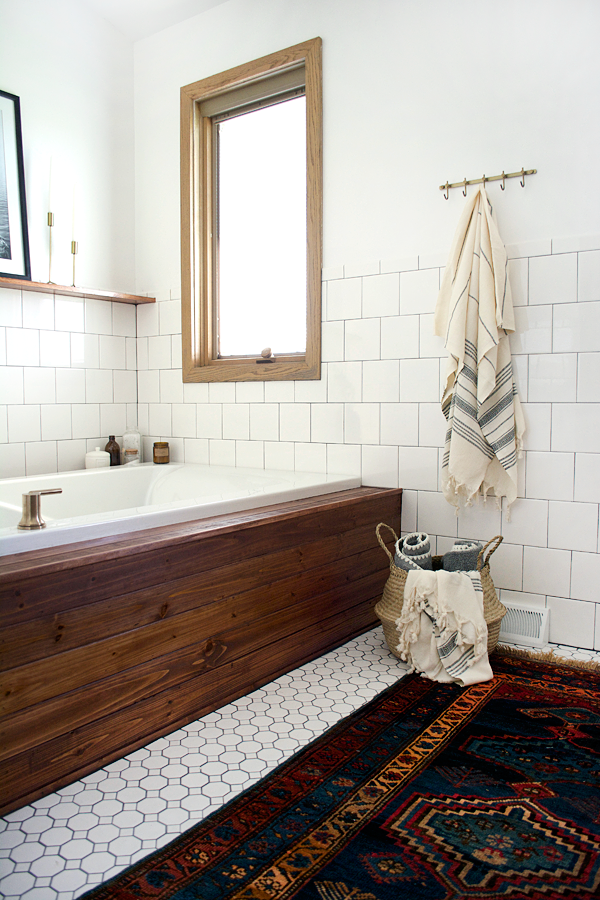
point(251, 203)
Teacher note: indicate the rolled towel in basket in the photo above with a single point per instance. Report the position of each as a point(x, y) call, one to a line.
point(413, 551)
point(462, 557)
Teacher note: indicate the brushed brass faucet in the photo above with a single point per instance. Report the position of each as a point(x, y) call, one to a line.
point(32, 509)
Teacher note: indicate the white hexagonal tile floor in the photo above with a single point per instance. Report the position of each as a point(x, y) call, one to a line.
point(70, 841)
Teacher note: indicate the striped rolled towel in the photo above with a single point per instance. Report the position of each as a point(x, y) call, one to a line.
point(462, 557)
point(413, 551)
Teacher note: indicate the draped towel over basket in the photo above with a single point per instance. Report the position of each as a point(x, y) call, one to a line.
point(474, 314)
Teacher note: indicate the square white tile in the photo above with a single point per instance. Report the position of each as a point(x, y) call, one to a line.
point(250, 454)
point(380, 466)
point(400, 424)
point(587, 477)
point(332, 341)
point(550, 476)
point(343, 459)
point(236, 421)
point(38, 310)
point(552, 378)
point(400, 337)
point(147, 319)
point(148, 386)
point(11, 309)
point(419, 291)
point(264, 421)
point(571, 621)
point(419, 380)
point(69, 313)
point(310, 457)
point(279, 455)
point(528, 523)
point(362, 339)
point(112, 352)
point(55, 348)
point(362, 423)
point(41, 459)
point(11, 384)
point(23, 347)
point(585, 576)
point(184, 419)
point(209, 419)
point(381, 295)
point(418, 468)
point(98, 386)
point(56, 422)
point(294, 422)
point(553, 279)
point(85, 420)
point(85, 351)
point(344, 382)
point(124, 319)
point(588, 377)
point(589, 275)
point(546, 571)
point(159, 351)
point(124, 386)
point(160, 419)
point(327, 423)
point(576, 427)
point(40, 385)
point(171, 386)
point(573, 526)
point(24, 423)
point(344, 299)
point(576, 328)
point(381, 381)
point(98, 316)
point(533, 330)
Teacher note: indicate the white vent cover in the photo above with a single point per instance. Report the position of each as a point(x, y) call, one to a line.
point(525, 625)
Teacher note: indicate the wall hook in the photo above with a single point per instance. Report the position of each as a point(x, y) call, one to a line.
point(503, 185)
point(446, 196)
point(465, 188)
point(522, 181)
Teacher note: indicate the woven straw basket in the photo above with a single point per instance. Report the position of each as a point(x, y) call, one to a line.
point(390, 606)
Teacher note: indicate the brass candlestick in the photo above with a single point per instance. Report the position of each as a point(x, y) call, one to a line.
point(74, 251)
point(50, 227)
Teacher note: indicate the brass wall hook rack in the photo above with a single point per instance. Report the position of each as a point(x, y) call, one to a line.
point(463, 184)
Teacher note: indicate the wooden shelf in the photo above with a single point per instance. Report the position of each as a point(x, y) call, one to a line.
point(68, 290)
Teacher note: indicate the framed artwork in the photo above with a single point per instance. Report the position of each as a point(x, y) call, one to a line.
point(14, 239)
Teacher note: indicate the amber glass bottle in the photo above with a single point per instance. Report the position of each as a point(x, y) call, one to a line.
point(115, 451)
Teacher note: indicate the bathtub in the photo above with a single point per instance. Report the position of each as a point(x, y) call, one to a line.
point(97, 503)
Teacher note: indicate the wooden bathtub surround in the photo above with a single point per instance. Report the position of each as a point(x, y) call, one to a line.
point(109, 644)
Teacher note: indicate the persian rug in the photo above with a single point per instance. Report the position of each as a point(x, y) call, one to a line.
point(428, 791)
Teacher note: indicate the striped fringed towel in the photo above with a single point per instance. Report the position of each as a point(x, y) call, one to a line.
point(442, 631)
point(474, 314)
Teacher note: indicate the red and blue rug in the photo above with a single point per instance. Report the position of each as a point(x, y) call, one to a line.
point(429, 792)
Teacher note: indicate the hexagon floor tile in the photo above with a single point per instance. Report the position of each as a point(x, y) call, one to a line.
point(64, 844)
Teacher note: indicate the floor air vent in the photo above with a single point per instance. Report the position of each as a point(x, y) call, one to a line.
point(525, 625)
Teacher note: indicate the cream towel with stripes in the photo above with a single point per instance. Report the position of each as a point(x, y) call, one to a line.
point(442, 632)
point(474, 314)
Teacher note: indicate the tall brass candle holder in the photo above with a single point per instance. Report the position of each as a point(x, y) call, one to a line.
point(74, 251)
point(50, 227)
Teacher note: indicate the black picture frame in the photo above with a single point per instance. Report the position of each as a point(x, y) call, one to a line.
point(14, 237)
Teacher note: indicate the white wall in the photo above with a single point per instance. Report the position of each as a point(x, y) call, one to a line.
point(73, 73)
point(414, 94)
point(67, 366)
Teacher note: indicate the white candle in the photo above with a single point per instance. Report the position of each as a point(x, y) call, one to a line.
point(73, 217)
point(50, 187)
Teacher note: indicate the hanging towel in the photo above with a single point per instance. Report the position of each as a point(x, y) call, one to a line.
point(474, 314)
point(442, 632)
point(413, 551)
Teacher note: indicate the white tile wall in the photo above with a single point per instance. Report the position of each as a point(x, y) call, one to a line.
point(71, 371)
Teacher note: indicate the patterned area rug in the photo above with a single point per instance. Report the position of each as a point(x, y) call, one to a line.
point(429, 791)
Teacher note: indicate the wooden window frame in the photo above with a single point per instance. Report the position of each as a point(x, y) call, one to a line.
point(199, 358)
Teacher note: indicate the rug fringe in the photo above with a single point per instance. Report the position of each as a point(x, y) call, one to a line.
point(548, 656)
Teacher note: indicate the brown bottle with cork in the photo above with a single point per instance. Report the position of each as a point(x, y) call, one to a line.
point(115, 451)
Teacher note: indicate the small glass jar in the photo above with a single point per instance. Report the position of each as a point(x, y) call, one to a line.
point(160, 452)
point(131, 456)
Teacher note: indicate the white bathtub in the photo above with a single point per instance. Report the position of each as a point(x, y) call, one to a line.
point(100, 502)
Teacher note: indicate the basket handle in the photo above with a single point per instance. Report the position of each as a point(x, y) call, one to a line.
point(481, 563)
point(381, 541)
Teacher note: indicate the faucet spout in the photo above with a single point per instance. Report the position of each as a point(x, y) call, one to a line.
point(32, 510)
